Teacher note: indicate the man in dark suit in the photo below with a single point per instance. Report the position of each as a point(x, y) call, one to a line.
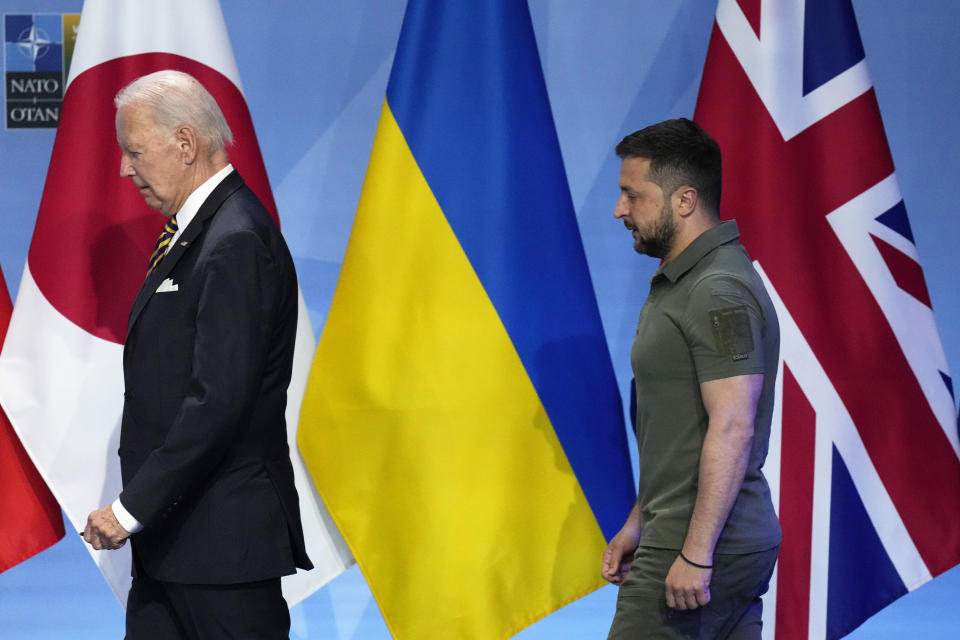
point(208, 495)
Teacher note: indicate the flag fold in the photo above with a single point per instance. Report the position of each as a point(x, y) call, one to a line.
point(33, 520)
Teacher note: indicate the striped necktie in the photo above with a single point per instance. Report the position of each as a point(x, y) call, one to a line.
point(161, 249)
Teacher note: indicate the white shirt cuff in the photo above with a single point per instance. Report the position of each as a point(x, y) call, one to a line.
point(123, 516)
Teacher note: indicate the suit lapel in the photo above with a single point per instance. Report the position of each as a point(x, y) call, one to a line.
point(197, 226)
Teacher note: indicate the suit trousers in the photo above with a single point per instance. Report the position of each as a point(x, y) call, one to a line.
point(171, 611)
point(733, 613)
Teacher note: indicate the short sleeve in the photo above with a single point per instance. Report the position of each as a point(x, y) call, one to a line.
point(724, 325)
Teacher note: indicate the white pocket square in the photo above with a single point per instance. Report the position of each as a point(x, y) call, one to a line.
point(167, 285)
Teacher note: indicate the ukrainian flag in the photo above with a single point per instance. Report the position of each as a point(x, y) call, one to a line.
point(461, 420)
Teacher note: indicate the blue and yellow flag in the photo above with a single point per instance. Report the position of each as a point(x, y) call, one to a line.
point(461, 420)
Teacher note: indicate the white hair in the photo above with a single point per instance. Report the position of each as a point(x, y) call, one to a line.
point(177, 98)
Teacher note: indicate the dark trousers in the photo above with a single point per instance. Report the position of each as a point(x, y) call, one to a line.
point(169, 611)
point(733, 613)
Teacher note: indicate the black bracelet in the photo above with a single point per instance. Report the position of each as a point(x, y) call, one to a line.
point(694, 564)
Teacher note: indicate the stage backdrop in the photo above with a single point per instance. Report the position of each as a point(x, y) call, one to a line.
point(314, 75)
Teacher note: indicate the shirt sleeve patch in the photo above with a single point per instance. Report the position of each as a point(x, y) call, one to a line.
point(731, 330)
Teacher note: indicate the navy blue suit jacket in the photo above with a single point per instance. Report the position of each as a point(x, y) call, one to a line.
point(203, 445)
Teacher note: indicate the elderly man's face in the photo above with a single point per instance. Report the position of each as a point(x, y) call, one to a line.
point(152, 159)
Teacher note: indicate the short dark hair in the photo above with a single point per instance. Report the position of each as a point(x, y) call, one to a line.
point(680, 153)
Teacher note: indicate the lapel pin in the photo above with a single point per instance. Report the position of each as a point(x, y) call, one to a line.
point(184, 243)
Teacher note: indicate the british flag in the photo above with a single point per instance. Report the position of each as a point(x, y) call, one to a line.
point(863, 460)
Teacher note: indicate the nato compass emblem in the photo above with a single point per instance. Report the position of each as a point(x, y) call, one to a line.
point(37, 52)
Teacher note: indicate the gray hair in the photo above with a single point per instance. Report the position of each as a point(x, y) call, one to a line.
point(177, 98)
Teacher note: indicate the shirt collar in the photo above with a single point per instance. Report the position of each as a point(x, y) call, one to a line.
point(706, 242)
point(192, 204)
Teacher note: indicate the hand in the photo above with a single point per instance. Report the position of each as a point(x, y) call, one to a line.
point(688, 587)
point(103, 531)
point(618, 555)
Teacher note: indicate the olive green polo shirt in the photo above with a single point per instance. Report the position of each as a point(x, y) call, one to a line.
point(707, 317)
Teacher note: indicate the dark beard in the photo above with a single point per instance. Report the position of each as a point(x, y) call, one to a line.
point(661, 238)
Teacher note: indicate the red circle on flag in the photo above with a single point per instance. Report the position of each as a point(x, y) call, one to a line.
point(94, 233)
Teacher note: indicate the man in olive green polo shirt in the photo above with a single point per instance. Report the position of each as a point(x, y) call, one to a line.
point(698, 549)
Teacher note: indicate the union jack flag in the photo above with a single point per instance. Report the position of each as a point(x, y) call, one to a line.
point(863, 460)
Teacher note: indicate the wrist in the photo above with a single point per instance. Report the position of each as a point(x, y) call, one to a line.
point(124, 518)
point(697, 553)
point(631, 532)
point(698, 565)
point(632, 528)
